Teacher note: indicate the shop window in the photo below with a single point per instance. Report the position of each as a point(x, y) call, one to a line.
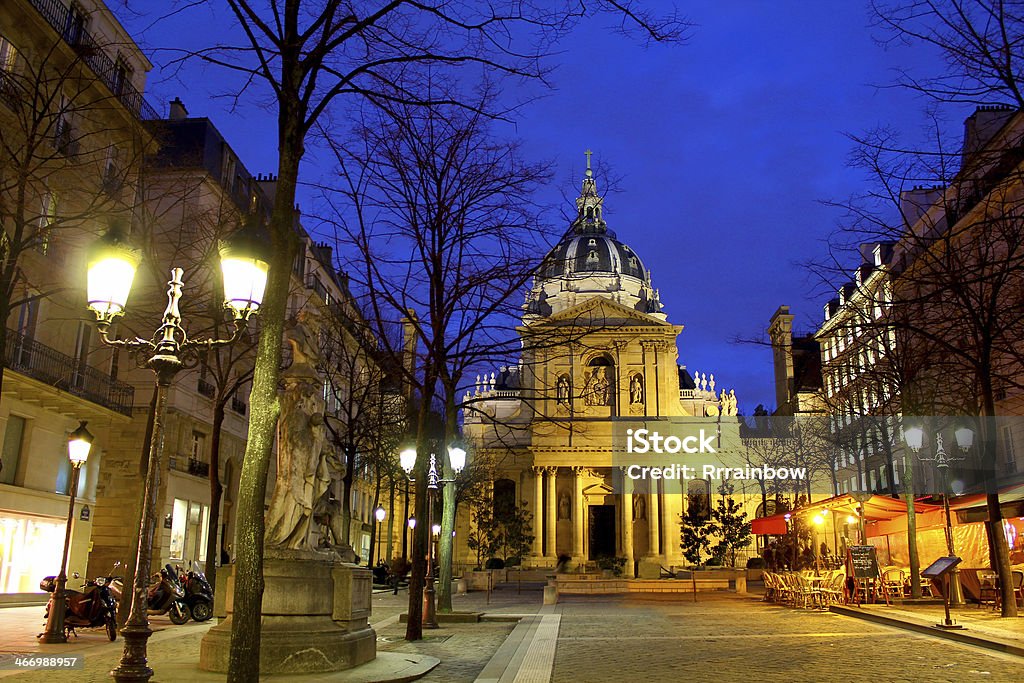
point(30, 548)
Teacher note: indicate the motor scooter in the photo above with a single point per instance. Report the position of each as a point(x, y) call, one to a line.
point(165, 596)
point(93, 607)
point(198, 592)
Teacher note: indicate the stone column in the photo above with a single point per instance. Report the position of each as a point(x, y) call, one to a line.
point(549, 515)
point(653, 519)
point(672, 502)
point(578, 510)
point(538, 512)
point(627, 524)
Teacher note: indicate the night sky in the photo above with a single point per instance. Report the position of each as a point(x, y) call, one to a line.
point(725, 148)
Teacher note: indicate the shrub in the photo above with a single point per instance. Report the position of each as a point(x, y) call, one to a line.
point(612, 564)
point(495, 563)
point(755, 563)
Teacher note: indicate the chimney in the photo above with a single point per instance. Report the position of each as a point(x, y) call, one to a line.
point(981, 126)
point(178, 111)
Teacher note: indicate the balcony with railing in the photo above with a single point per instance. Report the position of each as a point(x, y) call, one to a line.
point(179, 462)
point(47, 365)
point(205, 388)
point(69, 25)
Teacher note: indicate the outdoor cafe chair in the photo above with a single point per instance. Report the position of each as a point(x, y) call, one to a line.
point(893, 579)
point(833, 591)
point(989, 589)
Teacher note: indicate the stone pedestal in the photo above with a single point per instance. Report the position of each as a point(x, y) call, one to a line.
point(315, 613)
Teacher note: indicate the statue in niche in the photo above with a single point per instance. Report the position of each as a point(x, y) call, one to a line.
point(563, 390)
point(598, 387)
point(636, 390)
point(639, 509)
point(564, 506)
point(303, 472)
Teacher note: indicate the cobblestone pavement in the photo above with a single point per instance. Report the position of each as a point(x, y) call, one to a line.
point(464, 650)
point(733, 638)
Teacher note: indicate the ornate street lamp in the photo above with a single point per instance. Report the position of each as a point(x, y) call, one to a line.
point(79, 445)
point(112, 265)
point(457, 458)
point(380, 513)
point(964, 436)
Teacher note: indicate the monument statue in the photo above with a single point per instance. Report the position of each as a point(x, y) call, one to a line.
point(599, 388)
point(302, 470)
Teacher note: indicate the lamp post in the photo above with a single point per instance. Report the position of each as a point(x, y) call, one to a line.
point(380, 513)
point(112, 265)
point(964, 439)
point(457, 457)
point(79, 445)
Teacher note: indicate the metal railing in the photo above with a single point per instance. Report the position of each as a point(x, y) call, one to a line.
point(60, 17)
point(38, 361)
point(238, 405)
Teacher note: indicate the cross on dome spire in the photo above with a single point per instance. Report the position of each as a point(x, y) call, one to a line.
point(588, 204)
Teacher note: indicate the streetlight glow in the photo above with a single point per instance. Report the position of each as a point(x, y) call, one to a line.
point(412, 522)
point(79, 445)
point(408, 459)
point(244, 264)
point(964, 438)
point(111, 270)
point(914, 437)
point(380, 513)
point(457, 457)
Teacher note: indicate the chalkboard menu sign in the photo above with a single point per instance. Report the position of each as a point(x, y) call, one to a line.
point(864, 561)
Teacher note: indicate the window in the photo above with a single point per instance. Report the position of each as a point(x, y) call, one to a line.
point(8, 55)
point(882, 479)
point(897, 466)
point(14, 437)
point(112, 180)
point(28, 314)
point(74, 27)
point(198, 446)
point(122, 76)
point(63, 140)
point(47, 217)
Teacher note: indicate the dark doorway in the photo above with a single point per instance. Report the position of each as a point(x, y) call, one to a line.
point(602, 531)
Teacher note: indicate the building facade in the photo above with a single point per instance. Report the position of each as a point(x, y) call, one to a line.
point(597, 350)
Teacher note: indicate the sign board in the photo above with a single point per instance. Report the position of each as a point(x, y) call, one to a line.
point(85, 513)
point(940, 567)
point(863, 561)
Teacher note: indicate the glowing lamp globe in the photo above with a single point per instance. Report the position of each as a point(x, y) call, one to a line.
point(244, 262)
point(380, 514)
point(79, 445)
point(457, 457)
point(112, 263)
point(436, 529)
point(412, 522)
point(964, 438)
point(408, 459)
point(914, 437)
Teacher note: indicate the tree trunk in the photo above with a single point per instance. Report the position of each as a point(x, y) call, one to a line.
point(998, 548)
point(216, 491)
point(391, 519)
point(264, 407)
point(915, 561)
point(444, 552)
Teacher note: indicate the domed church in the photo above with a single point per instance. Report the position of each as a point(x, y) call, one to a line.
point(597, 349)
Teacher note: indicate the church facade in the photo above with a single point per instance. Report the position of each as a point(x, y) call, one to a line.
point(597, 353)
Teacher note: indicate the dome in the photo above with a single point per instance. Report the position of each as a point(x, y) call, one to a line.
point(590, 260)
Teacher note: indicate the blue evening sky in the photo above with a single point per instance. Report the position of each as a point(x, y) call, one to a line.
point(725, 148)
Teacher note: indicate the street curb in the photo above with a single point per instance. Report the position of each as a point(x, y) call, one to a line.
point(955, 635)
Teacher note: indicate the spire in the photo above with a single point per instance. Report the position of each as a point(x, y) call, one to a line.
point(588, 204)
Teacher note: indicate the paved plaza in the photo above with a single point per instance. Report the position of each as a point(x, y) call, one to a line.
point(600, 639)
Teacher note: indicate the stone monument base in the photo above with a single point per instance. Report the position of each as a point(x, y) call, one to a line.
point(315, 612)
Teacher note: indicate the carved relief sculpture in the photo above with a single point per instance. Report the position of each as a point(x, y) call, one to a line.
point(563, 390)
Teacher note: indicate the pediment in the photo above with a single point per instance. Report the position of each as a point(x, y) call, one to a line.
point(599, 311)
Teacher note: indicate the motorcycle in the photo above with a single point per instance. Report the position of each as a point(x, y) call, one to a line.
point(165, 596)
point(93, 607)
point(198, 593)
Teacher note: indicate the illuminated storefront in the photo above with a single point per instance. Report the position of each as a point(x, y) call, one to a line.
point(29, 550)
